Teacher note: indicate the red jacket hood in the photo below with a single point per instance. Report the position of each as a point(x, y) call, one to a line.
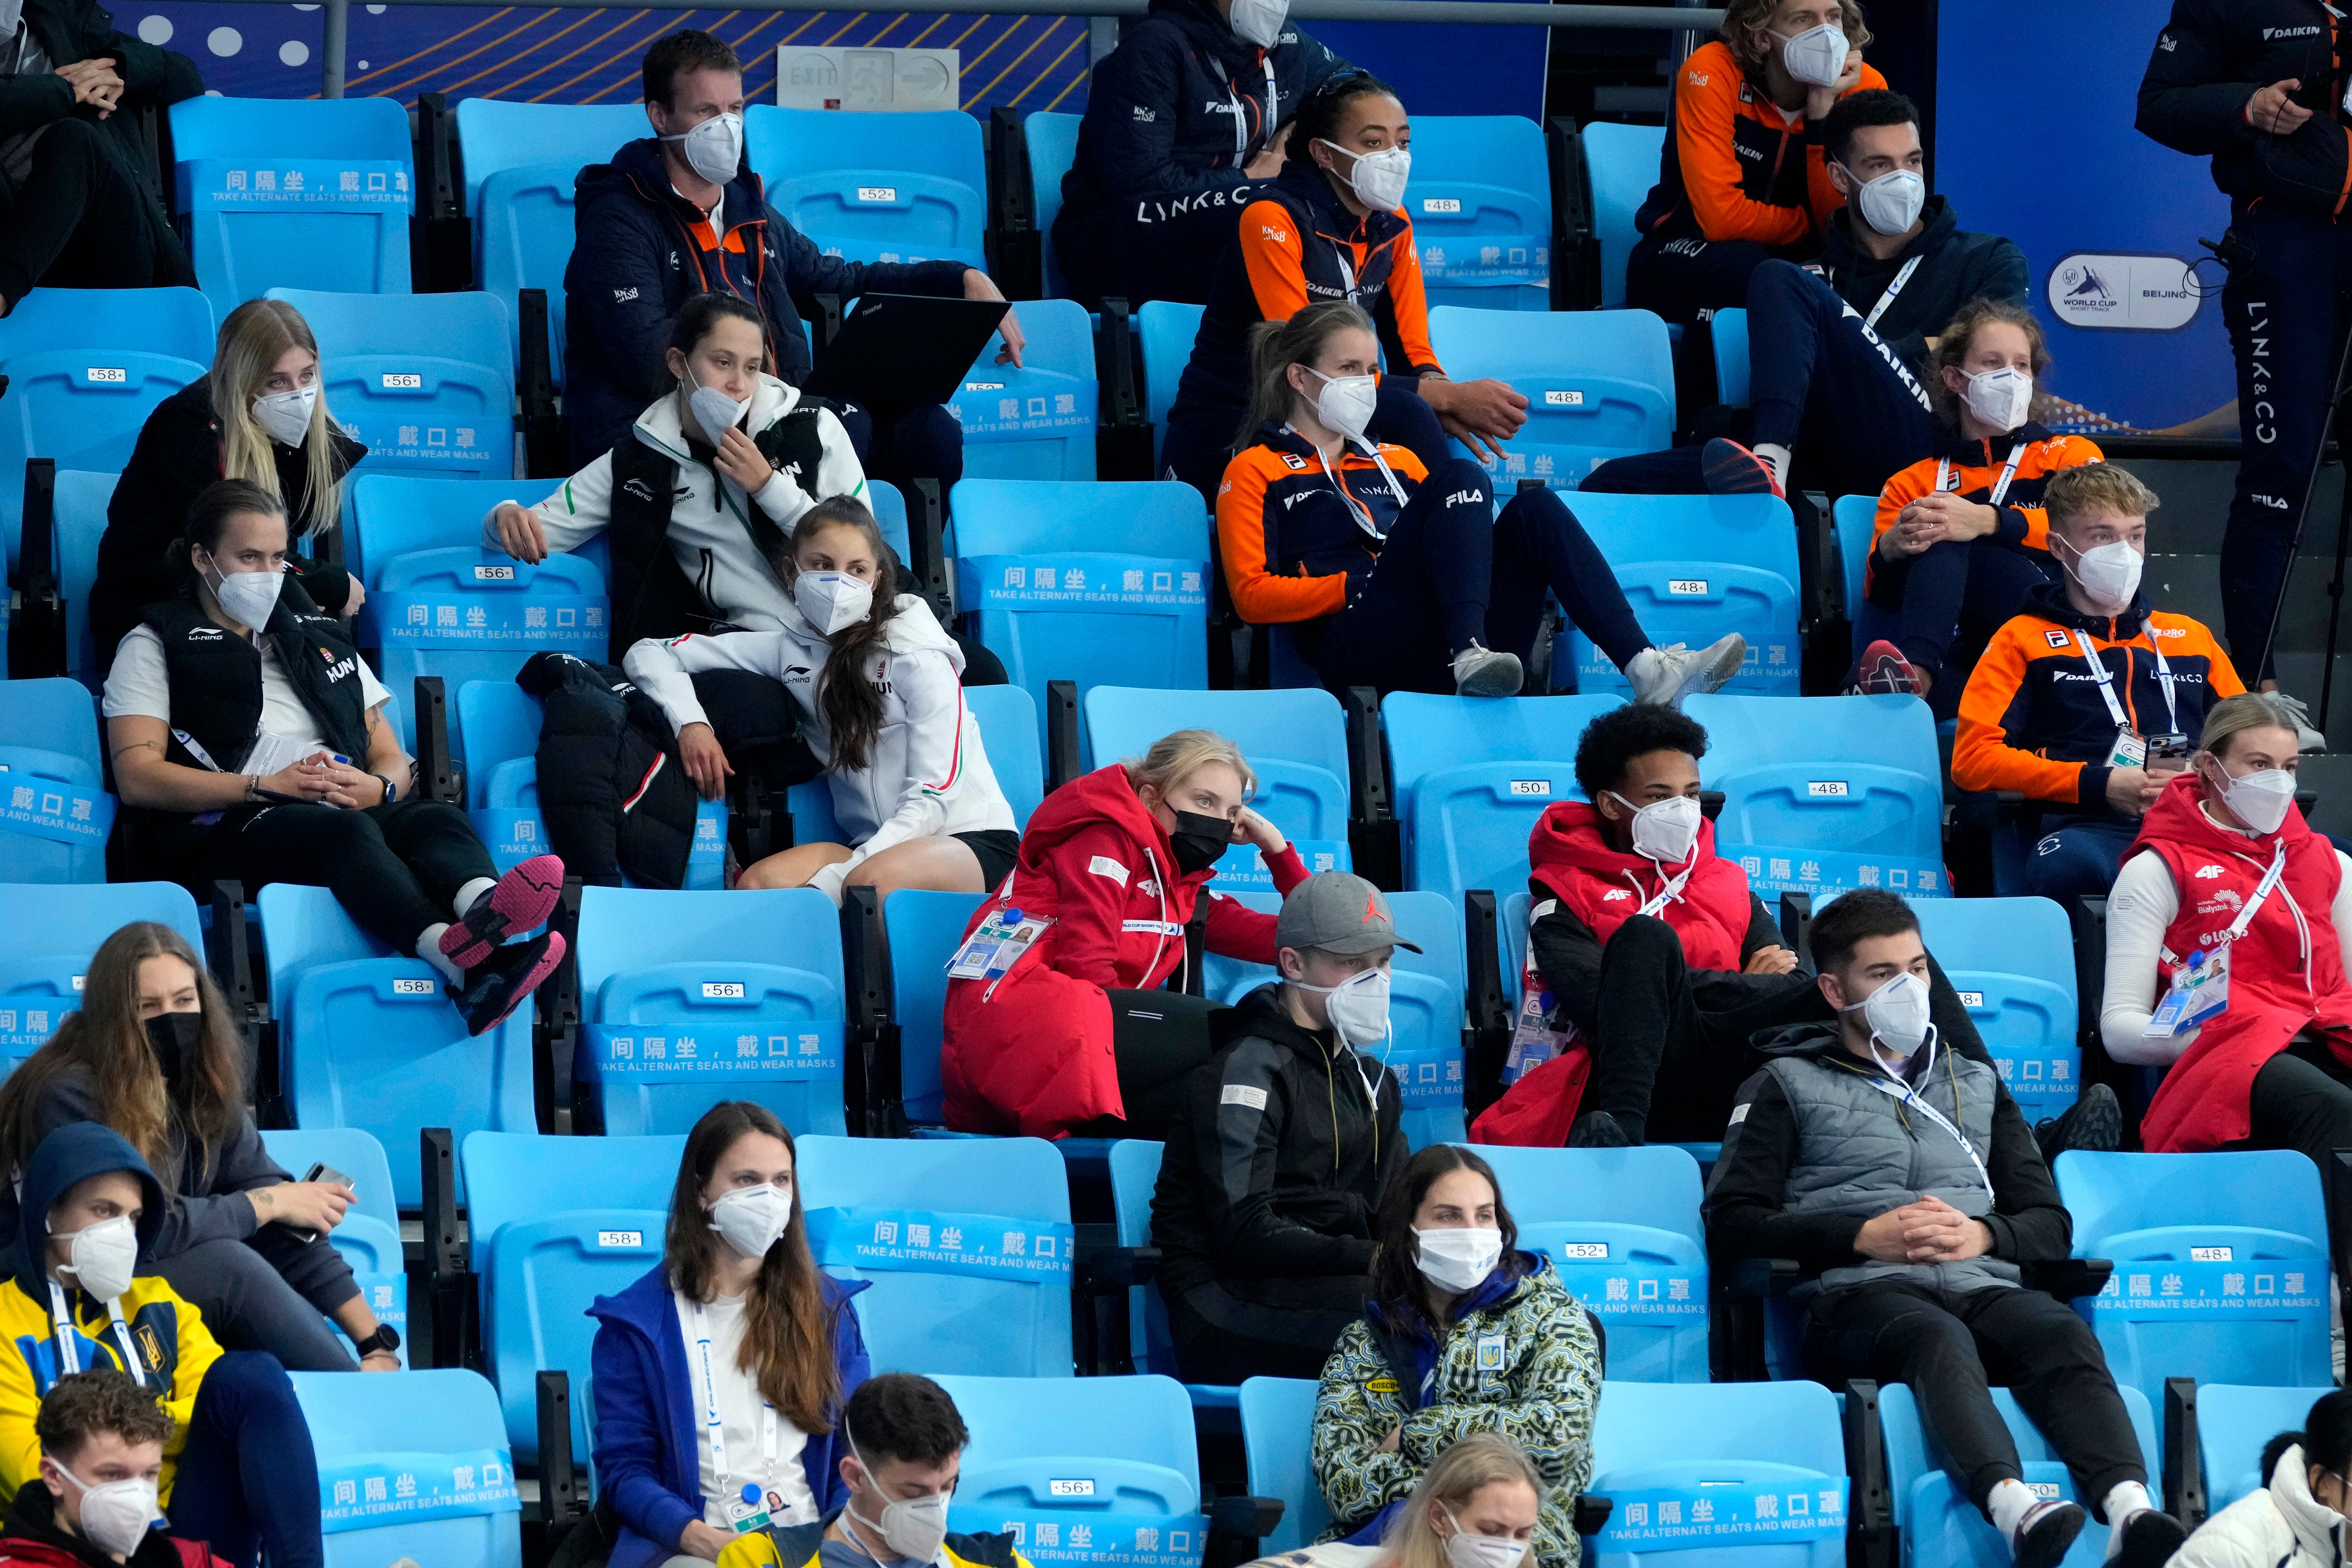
point(2179, 815)
point(1568, 836)
point(1087, 801)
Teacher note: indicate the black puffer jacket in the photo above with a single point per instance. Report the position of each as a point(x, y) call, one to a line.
point(1275, 1161)
point(612, 793)
point(2211, 59)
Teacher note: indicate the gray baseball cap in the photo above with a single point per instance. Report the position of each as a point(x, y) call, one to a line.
point(1339, 912)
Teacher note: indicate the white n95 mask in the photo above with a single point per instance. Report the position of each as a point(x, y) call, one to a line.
point(248, 597)
point(115, 1515)
point(286, 416)
point(914, 1527)
point(2002, 398)
point(103, 1257)
point(1815, 57)
point(1378, 179)
point(1358, 1007)
point(1260, 22)
point(751, 1219)
point(1891, 204)
point(1897, 1013)
point(2260, 799)
point(1665, 830)
point(1347, 402)
point(1464, 1550)
point(1458, 1259)
point(832, 600)
point(714, 149)
point(2109, 574)
point(715, 411)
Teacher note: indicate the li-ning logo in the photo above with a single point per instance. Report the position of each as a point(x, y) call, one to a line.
point(204, 633)
point(639, 489)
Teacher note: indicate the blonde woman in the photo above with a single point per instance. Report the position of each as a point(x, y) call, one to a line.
point(1477, 1505)
point(261, 416)
point(1111, 867)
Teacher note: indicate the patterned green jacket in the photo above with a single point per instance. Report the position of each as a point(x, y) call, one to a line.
point(1520, 1359)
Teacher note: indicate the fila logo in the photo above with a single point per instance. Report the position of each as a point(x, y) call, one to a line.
point(2208, 873)
point(2057, 639)
point(1294, 459)
point(2276, 503)
point(1614, 894)
point(1463, 498)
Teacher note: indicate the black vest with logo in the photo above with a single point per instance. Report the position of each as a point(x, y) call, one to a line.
point(215, 678)
point(652, 596)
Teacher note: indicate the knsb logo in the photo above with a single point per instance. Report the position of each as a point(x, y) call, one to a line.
point(2123, 292)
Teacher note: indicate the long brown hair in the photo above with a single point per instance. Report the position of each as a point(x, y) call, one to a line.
point(252, 341)
point(107, 1039)
point(1396, 1280)
point(1745, 22)
point(788, 1326)
point(845, 693)
point(1276, 346)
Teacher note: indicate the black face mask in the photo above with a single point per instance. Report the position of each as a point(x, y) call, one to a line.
point(173, 1038)
point(1198, 840)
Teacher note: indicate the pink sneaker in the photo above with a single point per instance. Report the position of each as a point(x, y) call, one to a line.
point(524, 898)
point(1884, 672)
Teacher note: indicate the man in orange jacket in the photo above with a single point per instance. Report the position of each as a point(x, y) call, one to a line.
point(2089, 701)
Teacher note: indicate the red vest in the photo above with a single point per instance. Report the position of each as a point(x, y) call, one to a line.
point(2286, 969)
point(1602, 886)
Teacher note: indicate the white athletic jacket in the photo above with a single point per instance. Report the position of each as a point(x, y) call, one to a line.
point(2281, 1526)
point(707, 530)
point(928, 773)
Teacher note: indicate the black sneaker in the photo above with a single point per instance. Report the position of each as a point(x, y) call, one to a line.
point(497, 985)
point(1597, 1130)
point(2094, 1123)
point(2150, 1539)
point(2045, 1532)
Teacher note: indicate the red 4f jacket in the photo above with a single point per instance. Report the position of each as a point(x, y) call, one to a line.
point(1031, 1053)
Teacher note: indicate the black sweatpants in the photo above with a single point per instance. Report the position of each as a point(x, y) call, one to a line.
point(1200, 436)
point(1452, 573)
point(1681, 278)
point(1222, 1338)
point(2301, 1098)
point(79, 219)
point(2282, 308)
point(1967, 585)
point(925, 444)
point(395, 869)
point(1157, 1039)
point(1948, 1349)
point(1673, 1046)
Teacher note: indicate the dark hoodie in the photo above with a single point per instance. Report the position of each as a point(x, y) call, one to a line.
point(34, 1535)
point(75, 1152)
point(1957, 265)
point(637, 257)
point(1275, 1163)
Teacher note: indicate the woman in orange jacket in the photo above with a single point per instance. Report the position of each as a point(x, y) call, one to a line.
point(1744, 176)
point(1961, 538)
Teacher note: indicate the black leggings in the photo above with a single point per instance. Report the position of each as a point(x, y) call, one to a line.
point(395, 869)
point(1157, 1037)
point(2301, 1098)
point(1452, 573)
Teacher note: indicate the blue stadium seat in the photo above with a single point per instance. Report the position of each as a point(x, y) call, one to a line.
point(2012, 961)
point(1167, 329)
point(308, 193)
point(1762, 1463)
point(889, 510)
point(1002, 1308)
point(688, 998)
point(1940, 1527)
point(498, 134)
point(1469, 777)
point(85, 369)
point(922, 928)
point(1295, 741)
point(54, 813)
point(1694, 568)
point(369, 1040)
point(468, 613)
point(81, 501)
point(1052, 143)
point(555, 1223)
point(1731, 362)
point(448, 411)
point(369, 1238)
point(1037, 420)
point(876, 187)
point(1622, 163)
point(48, 933)
point(2235, 1425)
point(1480, 201)
point(1277, 1437)
point(1598, 383)
point(1135, 1494)
point(1141, 619)
point(1008, 730)
point(411, 511)
point(1426, 1010)
point(1854, 518)
point(1622, 1228)
point(1845, 791)
point(1134, 1177)
point(412, 1467)
point(2221, 1265)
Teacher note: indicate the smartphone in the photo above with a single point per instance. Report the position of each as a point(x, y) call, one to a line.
point(321, 1172)
point(2166, 753)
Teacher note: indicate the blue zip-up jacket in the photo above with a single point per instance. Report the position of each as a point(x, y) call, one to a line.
point(640, 251)
point(647, 1461)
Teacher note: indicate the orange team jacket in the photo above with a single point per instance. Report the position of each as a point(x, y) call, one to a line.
point(2032, 719)
point(1976, 468)
point(1736, 167)
point(1296, 547)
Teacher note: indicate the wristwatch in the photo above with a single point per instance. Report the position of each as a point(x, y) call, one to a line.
point(391, 790)
point(385, 1338)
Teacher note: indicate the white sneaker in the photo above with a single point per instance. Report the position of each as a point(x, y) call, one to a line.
point(1482, 672)
point(2306, 739)
point(1667, 675)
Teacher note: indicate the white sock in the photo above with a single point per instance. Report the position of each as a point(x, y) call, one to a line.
point(470, 894)
point(1776, 457)
point(428, 947)
point(2010, 1504)
point(2126, 1500)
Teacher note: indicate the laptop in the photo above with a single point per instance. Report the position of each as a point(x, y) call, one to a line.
point(898, 352)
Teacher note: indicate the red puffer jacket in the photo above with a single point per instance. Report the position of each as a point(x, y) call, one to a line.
point(1030, 1053)
point(1602, 886)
